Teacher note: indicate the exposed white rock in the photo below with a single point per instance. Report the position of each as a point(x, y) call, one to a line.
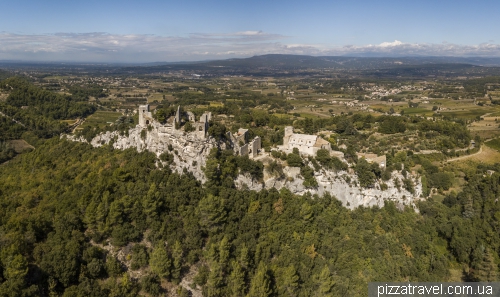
point(190, 152)
point(351, 196)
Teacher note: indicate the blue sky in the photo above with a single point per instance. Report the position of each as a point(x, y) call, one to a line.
point(148, 31)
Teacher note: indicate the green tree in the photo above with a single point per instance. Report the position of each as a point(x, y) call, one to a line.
point(244, 257)
point(188, 127)
point(224, 247)
point(294, 160)
point(486, 270)
point(177, 255)
point(365, 174)
point(261, 283)
point(215, 281)
point(16, 268)
point(212, 168)
point(324, 283)
point(113, 266)
point(289, 281)
point(160, 261)
point(151, 284)
point(140, 256)
point(152, 202)
point(236, 281)
point(212, 213)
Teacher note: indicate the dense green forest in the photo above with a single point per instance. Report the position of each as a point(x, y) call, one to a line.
point(40, 110)
point(29, 108)
point(82, 221)
point(63, 202)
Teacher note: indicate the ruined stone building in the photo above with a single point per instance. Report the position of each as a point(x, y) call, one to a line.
point(306, 144)
point(242, 146)
point(201, 127)
point(145, 116)
point(239, 141)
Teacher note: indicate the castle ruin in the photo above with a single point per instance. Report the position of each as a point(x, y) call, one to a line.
point(201, 127)
point(145, 116)
point(191, 150)
point(242, 146)
point(306, 144)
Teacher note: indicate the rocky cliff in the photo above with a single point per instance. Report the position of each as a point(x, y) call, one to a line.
point(190, 152)
point(342, 185)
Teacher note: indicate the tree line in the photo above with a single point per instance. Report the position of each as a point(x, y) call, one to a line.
point(62, 202)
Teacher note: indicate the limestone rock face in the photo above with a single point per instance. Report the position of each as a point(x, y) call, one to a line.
point(191, 150)
point(342, 186)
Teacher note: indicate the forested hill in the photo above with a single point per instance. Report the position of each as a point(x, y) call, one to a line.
point(4, 74)
point(38, 110)
point(62, 203)
point(279, 61)
point(288, 65)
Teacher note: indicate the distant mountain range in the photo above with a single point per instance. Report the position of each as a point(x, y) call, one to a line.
point(277, 63)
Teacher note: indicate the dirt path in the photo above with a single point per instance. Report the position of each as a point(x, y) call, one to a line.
point(486, 150)
point(466, 156)
point(78, 123)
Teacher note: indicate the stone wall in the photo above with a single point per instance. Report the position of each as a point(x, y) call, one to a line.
point(256, 146)
point(243, 150)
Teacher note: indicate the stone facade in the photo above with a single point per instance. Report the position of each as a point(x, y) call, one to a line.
point(242, 146)
point(243, 150)
point(201, 127)
point(306, 144)
point(178, 116)
point(256, 147)
point(191, 116)
point(145, 116)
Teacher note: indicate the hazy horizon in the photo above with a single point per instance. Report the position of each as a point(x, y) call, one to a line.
point(157, 31)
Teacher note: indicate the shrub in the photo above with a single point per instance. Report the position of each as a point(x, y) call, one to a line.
point(140, 256)
point(294, 160)
point(151, 284)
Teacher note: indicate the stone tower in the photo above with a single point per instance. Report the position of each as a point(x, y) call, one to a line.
point(178, 115)
point(288, 133)
point(145, 116)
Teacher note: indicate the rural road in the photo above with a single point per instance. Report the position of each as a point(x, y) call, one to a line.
point(466, 156)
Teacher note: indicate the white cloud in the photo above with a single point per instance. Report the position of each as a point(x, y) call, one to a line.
point(104, 47)
point(389, 44)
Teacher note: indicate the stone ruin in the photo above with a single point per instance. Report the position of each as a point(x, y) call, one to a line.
point(190, 152)
point(201, 127)
point(145, 116)
point(306, 144)
point(242, 146)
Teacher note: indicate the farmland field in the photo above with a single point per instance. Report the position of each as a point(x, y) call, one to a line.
point(417, 110)
point(101, 119)
point(494, 144)
point(466, 113)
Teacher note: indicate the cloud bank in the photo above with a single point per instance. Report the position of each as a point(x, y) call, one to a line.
point(134, 48)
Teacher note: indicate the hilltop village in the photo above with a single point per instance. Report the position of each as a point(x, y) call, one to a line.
point(189, 152)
